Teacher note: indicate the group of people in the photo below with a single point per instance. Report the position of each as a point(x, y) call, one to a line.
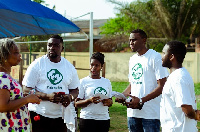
point(52, 90)
point(156, 96)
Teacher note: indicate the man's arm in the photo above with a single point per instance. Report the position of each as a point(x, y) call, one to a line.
point(127, 91)
point(48, 97)
point(155, 93)
point(66, 99)
point(190, 112)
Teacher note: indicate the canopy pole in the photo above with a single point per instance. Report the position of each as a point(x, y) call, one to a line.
point(30, 50)
point(64, 49)
point(91, 34)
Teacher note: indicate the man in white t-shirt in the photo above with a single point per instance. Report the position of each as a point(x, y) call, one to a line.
point(178, 111)
point(54, 79)
point(147, 78)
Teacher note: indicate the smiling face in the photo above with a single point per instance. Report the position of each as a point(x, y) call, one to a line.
point(54, 48)
point(95, 68)
point(14, 57)
point(137, 43)
point(166, 57)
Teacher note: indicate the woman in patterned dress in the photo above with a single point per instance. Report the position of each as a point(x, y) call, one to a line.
point(14, 115)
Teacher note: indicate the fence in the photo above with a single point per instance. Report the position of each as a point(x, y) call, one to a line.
point(116, 64)
point(22, 68)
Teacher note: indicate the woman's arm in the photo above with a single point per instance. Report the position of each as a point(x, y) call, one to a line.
point(84, 103)
point(53, 97)
point(107, 102)
point(7, 105)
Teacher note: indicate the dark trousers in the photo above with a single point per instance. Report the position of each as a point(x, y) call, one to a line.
point(46, 124)
point(90, 125)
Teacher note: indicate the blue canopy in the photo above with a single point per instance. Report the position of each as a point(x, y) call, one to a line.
point(25, 17)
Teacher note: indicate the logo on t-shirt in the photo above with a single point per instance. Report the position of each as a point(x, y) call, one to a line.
point(100, 90)
point(54, 76)
point(137, 71)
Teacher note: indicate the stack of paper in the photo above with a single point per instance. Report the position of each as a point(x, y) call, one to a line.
point(118, 95)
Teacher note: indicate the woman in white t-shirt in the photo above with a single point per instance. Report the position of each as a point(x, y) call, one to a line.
point(94, 98)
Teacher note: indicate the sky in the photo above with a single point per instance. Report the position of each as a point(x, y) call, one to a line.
point(75, 8)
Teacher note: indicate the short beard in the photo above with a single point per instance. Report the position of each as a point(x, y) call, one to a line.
point(167, 64)
point(52, 56)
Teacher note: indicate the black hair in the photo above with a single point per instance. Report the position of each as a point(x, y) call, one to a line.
point(98, 56)
point(178, 49)
point(57, 37)
point(141, 32)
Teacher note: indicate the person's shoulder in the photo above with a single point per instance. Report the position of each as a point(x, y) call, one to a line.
point(180, 73)
point(37, 61)
point(5, 79)
point(133, 56)
point(65, 61)
point(181, 76)
point(85, 79)
point(3, 75)
point(105, 79)
point(183, 71)
point(68, 63)
point(154, 54)
point(40, 58)
point(152, 51)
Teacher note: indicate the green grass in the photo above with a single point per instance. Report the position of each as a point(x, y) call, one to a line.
point(197, 88)
point(118, 117)
point(118, 122)
point(197, 93)
point(119, 86)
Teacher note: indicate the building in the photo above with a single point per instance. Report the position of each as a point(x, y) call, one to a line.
point(84, 25)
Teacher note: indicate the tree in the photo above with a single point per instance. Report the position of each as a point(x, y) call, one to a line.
point(134, 15)
point(41, 2)
point(171, 19)
point(179, 18)
point(36, 47)
point(131, 16)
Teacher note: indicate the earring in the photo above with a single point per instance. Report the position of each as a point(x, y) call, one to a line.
point(5, 61)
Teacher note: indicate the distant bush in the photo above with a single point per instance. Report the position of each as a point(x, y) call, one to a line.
point(156, 44)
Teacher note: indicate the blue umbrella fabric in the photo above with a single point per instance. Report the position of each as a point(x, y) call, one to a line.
point(25, 17)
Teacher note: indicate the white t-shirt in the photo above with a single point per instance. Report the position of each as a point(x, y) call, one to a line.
point(178, 90)
point(144, 71)
point(89, 87)
point(48, 77)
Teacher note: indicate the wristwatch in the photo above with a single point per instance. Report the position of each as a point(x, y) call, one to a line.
point(140, 104)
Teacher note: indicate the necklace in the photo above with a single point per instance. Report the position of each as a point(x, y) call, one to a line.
point(7, 71)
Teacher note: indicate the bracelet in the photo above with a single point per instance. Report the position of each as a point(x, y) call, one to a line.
point(32, 91)
point(72, 97)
